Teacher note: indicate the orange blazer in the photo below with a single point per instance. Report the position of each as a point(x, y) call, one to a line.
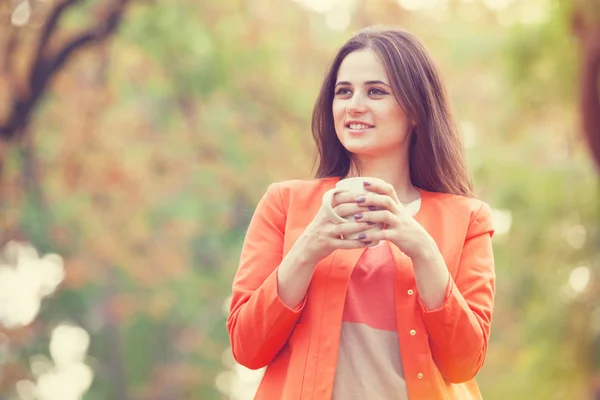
point(299, 346)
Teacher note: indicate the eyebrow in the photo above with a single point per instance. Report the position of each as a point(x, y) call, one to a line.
point(366, 83)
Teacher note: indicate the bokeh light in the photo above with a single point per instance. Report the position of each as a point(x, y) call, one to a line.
point(25, 280)
point(66, 376)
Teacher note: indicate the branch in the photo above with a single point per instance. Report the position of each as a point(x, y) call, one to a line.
point(47, 66)
point(50, 26)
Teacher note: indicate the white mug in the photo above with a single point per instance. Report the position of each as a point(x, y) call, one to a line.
point(354, 185)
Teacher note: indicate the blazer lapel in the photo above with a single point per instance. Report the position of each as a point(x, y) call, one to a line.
point(333, 282)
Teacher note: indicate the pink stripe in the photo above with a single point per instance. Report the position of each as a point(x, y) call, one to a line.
point(370, 297)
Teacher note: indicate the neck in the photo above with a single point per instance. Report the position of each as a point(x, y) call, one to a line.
point(393, 171)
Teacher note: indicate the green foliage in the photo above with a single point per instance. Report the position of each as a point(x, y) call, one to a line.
point(542, 59)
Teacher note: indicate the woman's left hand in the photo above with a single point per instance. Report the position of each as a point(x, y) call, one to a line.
point(382, 206)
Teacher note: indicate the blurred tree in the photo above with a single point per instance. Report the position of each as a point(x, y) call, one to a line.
point(553, 67)
point(35, 48)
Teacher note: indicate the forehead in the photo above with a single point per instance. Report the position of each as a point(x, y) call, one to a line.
point(360, 66)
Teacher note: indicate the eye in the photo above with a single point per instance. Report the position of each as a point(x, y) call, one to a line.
point(377, 92)
point(342, 92)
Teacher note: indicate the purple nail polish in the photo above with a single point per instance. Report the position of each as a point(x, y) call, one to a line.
point(362, 236)
point(367, 183)
point(358, 216)
point(372, 208)
point(361, 199)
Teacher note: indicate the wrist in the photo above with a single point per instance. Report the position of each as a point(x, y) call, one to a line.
point(427, 252)
point(301, 253)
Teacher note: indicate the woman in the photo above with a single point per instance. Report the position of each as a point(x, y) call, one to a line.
point(332, 318)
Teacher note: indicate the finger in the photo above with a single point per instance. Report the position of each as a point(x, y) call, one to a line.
point(381, 216)
point(349, 228)
point(372, 236)
point(348, 209)
point(350, 244)
point(344, 197)
point(381, 187)
point(375, 201)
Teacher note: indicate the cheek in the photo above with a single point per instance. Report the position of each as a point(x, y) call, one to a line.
point(391, 116)
point(338, 109)
point(339, 115)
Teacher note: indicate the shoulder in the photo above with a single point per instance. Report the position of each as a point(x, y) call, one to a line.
point(459, 204)
point(475, 213)
point(295, 185)
point(303, 192)
point(302, 188)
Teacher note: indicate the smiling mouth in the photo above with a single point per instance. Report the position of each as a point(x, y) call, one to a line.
point(359, 127)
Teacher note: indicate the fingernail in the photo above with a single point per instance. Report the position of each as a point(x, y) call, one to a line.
point(370, 223)
point(372, 208)
point(361, 199)
point(367, 183)
point(362, 236)
point(358, 216)
point(369, 242)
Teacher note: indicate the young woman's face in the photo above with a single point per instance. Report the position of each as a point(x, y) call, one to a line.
point(368, 120)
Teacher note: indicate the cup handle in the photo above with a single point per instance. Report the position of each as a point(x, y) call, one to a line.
point(331, 215)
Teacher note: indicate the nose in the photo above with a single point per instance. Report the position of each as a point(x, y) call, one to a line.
point(356, 105)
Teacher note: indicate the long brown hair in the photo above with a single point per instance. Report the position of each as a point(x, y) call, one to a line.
point(435, 152)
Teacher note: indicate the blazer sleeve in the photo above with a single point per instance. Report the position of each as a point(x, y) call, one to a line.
point(259, 323)
point(459, 330)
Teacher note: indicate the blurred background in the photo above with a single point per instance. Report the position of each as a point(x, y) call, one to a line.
point(137, 136)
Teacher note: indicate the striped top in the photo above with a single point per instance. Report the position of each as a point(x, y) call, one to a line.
point(369, 364)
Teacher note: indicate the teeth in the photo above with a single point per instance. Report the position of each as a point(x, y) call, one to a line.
point(358, 126)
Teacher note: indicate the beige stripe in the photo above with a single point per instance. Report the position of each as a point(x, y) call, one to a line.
point(369, 365)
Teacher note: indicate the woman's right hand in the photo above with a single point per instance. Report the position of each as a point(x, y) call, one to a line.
point(321, 237)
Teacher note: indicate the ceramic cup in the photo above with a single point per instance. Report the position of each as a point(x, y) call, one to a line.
point(354, 185)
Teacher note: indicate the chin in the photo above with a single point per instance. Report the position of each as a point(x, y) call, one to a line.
point(355, 140)
point(361, 149)
point(367, 149)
